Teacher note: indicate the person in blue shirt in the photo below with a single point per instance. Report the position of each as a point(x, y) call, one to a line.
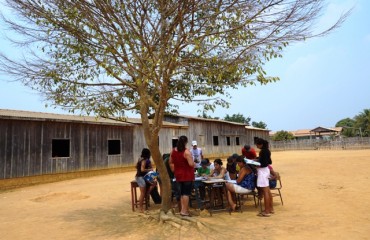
point(245, 183)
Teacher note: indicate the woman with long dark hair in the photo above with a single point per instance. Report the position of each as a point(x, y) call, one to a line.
point(182, 164)
point(263, 174)
point(143, 166)
point(245, 183)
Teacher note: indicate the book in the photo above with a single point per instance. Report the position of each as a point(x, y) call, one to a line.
point(250, 161)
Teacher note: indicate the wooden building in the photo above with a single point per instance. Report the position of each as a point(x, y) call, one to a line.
point(33, 143)
point(218, 138)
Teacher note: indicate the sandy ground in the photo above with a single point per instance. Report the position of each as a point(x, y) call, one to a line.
point(325, 196)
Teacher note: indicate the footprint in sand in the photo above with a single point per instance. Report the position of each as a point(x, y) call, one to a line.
point(60, 196)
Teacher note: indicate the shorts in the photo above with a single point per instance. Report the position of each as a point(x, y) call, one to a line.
point(263, 175)
point(140, 181)
point(272, 183)
point(240, 189)
point(185, 188)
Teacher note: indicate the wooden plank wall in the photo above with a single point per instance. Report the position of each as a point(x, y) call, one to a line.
point(165, 140)
point(204, 131)
point(26, 147)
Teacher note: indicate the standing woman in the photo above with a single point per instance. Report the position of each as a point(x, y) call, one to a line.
point(263, 175)
point(143, 166)
point(182, 164)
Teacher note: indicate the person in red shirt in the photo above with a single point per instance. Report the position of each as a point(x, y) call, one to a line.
point(249, 152)
point(182, 165)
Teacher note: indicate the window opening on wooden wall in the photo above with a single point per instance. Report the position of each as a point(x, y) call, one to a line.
point(228, 143)
point(215, 140)
point(237, 142)
point(114, 147)
point(174, 142)
point(60, 148)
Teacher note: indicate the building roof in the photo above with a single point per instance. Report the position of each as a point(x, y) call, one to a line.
point(212, 120)
point(257, 129)
point(39, 116)
point(326, 130)
point(312, 132)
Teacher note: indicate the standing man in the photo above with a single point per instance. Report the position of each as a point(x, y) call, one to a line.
point(197, 154)
point(249, 152)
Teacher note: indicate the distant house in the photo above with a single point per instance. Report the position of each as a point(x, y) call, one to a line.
point(316, 133)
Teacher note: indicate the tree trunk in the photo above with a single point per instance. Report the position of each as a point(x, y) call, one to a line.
point(166, 190)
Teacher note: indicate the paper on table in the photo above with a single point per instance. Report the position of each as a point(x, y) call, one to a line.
point(200, 178)
point(215, 180)
point(250, 161)
point(231, 181)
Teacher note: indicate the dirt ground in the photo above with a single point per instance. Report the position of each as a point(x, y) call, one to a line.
point(325, 196)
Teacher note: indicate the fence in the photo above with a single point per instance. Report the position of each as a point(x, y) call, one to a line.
point(317, 144)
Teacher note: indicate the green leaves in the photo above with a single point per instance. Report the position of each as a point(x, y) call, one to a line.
point(132, 55)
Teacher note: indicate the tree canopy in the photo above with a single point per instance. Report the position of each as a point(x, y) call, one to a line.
point(359, 125)
point(238, 118)
point(282, 136)
point(259, 124)
point(107, 57)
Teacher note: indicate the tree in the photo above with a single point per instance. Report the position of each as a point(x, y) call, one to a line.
point(238, 118)
point(362, 122)
point(282, 136)
point(106, 57)
point(259, 124)
point(348, 126)
point(204, 115)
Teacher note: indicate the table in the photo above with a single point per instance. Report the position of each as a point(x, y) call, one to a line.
point(212, 185)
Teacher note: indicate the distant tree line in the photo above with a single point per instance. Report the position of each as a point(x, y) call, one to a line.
point(359, 125)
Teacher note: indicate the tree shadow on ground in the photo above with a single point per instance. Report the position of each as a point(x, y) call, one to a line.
point(117, 222)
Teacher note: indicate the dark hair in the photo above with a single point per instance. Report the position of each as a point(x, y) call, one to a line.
point(218, 161)
point(183, 140)
point(263, 142)
point(145, 153)
point(247, 147)
point(240, 159)
point(230, 159)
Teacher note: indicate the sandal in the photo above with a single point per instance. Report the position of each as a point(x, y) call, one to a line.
point(263, 214)
point(185, 215)
point(236, 209)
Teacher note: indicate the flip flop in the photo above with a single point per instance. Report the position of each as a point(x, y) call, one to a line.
point(233, 210)
point(185, 215)
point(262, 214)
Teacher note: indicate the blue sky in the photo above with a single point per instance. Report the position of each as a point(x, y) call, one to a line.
point(322, 80)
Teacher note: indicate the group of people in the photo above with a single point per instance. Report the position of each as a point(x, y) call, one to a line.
point(185, 163)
